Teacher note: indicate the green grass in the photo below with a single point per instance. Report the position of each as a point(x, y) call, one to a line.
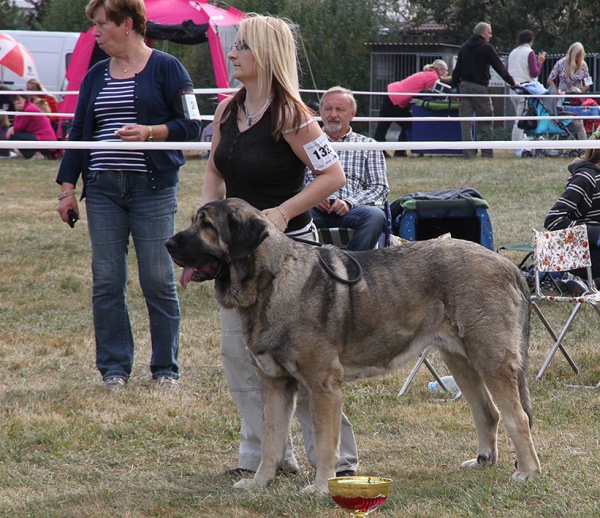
point(69, 449)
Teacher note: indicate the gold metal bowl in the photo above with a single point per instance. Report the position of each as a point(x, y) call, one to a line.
point(359, 495)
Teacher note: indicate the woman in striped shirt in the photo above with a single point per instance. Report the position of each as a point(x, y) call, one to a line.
point(137, 95)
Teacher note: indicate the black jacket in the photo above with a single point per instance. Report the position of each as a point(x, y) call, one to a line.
point(580, 203)
point(475, 58)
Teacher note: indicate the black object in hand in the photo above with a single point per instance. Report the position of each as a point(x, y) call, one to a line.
point(73, 217)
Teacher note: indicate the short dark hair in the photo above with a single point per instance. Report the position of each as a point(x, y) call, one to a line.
point(118, 10)
point(525, 36)
point(24, 96)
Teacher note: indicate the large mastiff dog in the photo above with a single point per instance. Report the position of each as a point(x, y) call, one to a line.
point(306, 327)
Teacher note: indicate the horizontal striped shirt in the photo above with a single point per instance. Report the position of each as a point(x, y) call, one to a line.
point(115, 108)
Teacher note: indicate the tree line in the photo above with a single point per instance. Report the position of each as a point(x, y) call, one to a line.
point(333, 34)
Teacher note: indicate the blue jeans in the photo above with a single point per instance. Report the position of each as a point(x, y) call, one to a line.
point(367, 221)
point(120, 204)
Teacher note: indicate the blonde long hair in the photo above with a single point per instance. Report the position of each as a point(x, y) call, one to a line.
point(275, 53)
point(575, 50)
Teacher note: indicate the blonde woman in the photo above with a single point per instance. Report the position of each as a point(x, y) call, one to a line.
point(397, 102)
point(573, 77)
point(264, 137)
point(571, 71)
point(34, 85)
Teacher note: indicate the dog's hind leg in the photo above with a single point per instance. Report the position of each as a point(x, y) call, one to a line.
point(279, 395)
point(485, 413)
point(505, 391)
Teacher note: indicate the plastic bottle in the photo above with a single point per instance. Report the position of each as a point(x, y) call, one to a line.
point(449, 383)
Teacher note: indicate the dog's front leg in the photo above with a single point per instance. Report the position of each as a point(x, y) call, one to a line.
point(326, 405)
point(279, 396)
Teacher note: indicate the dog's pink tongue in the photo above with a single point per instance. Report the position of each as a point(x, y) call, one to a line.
point(186, 276)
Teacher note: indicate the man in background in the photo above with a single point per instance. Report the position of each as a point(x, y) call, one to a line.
point(472, 75)
point(358, 205)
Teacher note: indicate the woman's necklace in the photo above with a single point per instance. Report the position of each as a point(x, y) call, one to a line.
point(250, 118)
point(132, 64)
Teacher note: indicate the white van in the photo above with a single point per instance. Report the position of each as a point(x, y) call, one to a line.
point(52, 53)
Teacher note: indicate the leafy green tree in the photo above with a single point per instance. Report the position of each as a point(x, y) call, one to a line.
point(66, 15)
point(332, 37)
point(557, 23)
point(8, 15)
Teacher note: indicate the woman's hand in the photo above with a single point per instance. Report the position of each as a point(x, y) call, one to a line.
point(135, 133)
point(277, 216)
point(10, 132)
point(67, 201)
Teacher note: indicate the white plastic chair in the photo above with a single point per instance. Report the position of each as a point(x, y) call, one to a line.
point(560, 251)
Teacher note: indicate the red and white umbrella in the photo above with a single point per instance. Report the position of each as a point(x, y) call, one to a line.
point(16, 57)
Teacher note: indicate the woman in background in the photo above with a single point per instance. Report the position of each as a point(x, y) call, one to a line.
point(573, 77)
point(579, 204)
point(30, 127)
point(525, 67)
point(139, 94)
point(397, 102)
point(49, 100)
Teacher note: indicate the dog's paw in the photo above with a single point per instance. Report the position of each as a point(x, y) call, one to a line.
point(524, 476)
point(245, 483)
point(315, 489)
point(482, 460)
point(472, 464)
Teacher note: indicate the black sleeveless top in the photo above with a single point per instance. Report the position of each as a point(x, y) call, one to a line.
point(257, 169)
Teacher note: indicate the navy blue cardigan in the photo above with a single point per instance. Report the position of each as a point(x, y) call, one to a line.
point(158, 92)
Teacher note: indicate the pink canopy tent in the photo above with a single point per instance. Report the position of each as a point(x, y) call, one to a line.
point(221, 30)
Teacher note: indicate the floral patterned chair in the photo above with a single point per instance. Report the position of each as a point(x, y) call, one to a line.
point(560, 251)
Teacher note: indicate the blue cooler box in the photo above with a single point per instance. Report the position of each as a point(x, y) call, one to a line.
point(582, 110)
point(423, 131)
point(463, 219)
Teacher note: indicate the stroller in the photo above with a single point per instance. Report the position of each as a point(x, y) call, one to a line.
point(536, 104)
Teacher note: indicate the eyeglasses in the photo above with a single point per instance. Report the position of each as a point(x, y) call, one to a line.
point(240, 47)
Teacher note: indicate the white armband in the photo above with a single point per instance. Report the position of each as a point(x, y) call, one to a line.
point(190, 107)
point(320, 153)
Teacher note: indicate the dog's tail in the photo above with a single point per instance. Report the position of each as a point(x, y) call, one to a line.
point(524, 345)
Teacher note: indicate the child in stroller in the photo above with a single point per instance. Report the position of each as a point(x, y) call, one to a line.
point(542, 102)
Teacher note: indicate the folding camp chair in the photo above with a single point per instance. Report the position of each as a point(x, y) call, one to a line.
point(340, 236)
point(422, 361)
point(562, 250)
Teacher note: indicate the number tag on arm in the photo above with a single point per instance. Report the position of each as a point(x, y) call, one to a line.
point(320, 153)
point(190, 107)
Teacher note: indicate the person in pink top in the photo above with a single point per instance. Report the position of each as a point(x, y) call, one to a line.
point(400, 93)
point(30, 127)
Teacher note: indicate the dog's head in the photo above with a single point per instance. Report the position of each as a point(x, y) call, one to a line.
point(221, 232)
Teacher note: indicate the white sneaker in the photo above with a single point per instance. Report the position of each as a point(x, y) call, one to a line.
point(115, 383)
point(167, 382)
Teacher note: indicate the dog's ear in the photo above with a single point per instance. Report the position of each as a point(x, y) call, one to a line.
point(247, 231)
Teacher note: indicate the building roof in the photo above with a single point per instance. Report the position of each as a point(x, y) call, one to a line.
point(427, 26)
point(418, 47)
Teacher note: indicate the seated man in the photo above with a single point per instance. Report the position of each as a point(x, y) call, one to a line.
point(357, 205)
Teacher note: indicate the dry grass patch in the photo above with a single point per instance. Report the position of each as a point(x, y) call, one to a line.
point(69, 449)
